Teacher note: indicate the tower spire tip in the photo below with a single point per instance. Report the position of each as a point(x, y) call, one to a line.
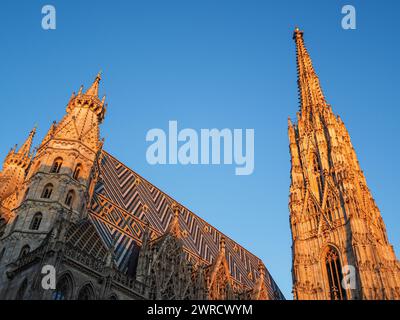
point(297, 32)
point(94, 89)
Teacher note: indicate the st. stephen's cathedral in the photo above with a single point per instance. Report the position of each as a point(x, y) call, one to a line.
point(111, 234)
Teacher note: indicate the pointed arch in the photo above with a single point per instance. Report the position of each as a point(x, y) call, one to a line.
point(171, 274)
point(332, 205)
point(47, 191)
point(220, 287)
point(64, 287)
point(333, 273)
point(69, 199)
point(312, 205)
point(260, 290)
point(86, 292)
point(77, 171)
point(219, 277)
point(36, 221)
point(57, 164)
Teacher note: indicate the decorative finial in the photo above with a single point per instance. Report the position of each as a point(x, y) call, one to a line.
point(222, 243)
point(261, 268)
point(174, 227)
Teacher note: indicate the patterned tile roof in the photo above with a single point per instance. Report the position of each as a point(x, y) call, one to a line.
point(83, 236)
point(124, 203)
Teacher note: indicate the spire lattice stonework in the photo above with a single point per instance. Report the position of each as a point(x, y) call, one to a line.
point(334, 219)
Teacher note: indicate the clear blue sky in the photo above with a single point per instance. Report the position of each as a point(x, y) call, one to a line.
point(206, 64)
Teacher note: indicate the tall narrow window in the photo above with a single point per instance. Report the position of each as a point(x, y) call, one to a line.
point(77, 172)
point(37, 219)
point(335, 276)
point(48, 189)
point(69, 200)
point(63, 288)
point(56, 165)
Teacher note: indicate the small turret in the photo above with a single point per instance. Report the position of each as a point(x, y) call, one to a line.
point(15, 167)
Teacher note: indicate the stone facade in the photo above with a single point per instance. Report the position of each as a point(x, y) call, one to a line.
point(334, 219)
point(108, 232)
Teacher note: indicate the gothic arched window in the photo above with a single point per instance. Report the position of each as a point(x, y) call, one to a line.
point(21, 291)
point(55, 168)
point(63, 288)
point(35, 223)
point(24, 251)
point(334, 273)
point(77, 171)
point(86, 293)
point(69, 200)
point(48, 189)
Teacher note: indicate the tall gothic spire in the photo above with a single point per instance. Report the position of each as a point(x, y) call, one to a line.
point(311, 95)
point(334, 219)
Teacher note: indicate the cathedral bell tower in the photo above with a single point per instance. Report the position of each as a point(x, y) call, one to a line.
point(340, 247)
point(60, 179)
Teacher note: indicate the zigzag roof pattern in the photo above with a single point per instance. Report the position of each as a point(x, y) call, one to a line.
point(123, 205)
